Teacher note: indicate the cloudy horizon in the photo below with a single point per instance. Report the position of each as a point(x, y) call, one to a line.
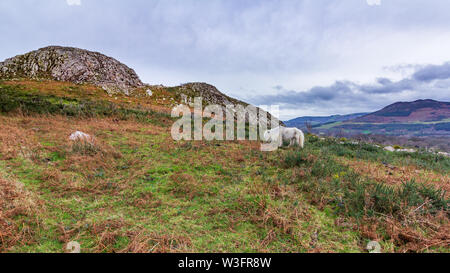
point(313, 57)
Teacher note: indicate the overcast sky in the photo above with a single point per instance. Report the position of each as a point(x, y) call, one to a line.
point(313, 57)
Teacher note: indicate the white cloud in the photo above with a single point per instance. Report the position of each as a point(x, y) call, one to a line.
point(73, 2)
point(373, 2)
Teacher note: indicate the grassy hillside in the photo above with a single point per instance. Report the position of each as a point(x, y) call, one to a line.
point(137, 190)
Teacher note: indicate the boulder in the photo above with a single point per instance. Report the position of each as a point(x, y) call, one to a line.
point(406, 150)
point(373, 247)
point(80, 136)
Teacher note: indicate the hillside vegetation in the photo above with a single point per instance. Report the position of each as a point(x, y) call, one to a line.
point(134, 189)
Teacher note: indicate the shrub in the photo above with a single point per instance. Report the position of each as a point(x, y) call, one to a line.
point(87, 148)
point(383, 199)
point(325, 167)
point(312, 138)
point(356, 196)
point(294, 159)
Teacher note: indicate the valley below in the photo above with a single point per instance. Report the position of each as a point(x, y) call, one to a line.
point(421, 124)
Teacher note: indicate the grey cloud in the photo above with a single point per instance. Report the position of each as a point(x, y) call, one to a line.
point(433, 72)
point(278, 87)
point(384, 81)
point(316, 94)
point(386, 86)
point(348, 94)
point(423, 75)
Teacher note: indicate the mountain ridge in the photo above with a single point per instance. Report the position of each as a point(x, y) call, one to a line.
point(424, 110)
point(425, 117)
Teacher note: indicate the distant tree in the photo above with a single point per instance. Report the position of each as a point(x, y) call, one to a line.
point(308, 127)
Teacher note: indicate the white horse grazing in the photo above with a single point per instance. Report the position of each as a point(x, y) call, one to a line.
point(281, 134)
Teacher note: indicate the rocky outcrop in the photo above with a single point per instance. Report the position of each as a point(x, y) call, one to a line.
point(208, 92)
point(71, 65)
point(211, 95)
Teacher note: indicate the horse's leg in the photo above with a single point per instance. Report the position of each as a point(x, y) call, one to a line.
point(280, 141)
point(295, 139)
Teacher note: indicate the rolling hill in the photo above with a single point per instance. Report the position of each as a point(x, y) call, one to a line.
point(409, 112)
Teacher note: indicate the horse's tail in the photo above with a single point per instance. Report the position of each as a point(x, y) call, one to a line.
point(301, 139)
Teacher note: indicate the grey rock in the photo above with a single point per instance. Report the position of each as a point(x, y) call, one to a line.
point(72, 65)
point(406, 150)
point(444, 154)
point(211, 95)
point(373, 247)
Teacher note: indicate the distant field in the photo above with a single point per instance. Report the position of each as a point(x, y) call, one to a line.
point(440, 128)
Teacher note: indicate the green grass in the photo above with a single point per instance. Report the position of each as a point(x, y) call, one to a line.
point(214, 207)
point(330, 125)
point(137, 190)
point(15, 99)
point(209, 203)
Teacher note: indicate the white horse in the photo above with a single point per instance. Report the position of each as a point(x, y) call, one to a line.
point(281, 134)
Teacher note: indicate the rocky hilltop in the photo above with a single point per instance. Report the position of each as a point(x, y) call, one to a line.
point(208, 93)
point(71, 65)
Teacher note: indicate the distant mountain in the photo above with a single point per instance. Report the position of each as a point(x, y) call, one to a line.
point(315, 121)
point(406, 112)
point(418, 118)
